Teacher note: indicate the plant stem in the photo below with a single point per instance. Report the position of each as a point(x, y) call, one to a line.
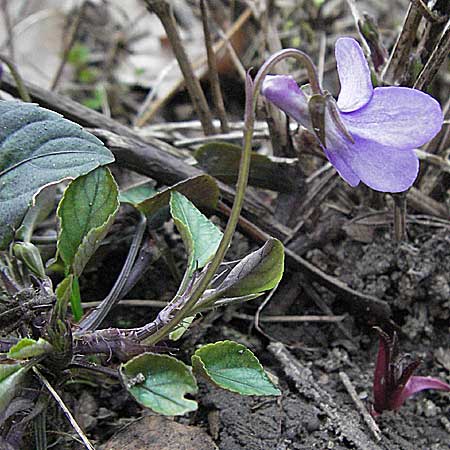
point(96, 317)
point(400, 216)
point(252, 92)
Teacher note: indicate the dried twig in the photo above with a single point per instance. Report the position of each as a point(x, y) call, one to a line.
point(437, 58)
point(400, 216)
point(64, 408)
point(9, 29)
point(341, 421)
point(397, 64)
point(431, 16)
point(148, 114)
point(165, 14)
point(259, 311)
point(291, 319)
point(21, 88)
point(370, 422)
point(72, 34)
point(212, 70)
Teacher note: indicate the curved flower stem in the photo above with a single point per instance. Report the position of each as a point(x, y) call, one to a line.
point(252, 93)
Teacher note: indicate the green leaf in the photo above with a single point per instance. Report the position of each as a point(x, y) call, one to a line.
point(260, 271)
point(138, 194)
point(78, 55)
point(234, 367)
point(200, 236)
point(221, 160)
point(86, 212)
point(28, 348)
point(39, 148)
point(202, 191)
point(178, 332)
point(160, 382)
point(11, 379)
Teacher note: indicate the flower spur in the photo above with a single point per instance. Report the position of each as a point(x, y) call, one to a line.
point(369, 134)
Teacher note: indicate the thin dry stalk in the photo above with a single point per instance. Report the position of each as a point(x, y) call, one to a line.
point(21, 88)
point(150, 112)
point(64, 408)
point(233, 55)
point(9, 29)
point(397, 64)
point(212, 70)
point(72, 34)
point(437, 58)
point(165, 14)
point(370, 422)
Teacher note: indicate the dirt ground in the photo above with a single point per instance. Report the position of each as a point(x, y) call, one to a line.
point(315, 410)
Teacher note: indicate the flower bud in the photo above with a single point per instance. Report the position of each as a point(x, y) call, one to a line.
point(30, 256)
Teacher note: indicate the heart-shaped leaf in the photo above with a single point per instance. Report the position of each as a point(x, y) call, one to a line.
point(160, 382)
point(86, 212)
point(200, 236)
point(221, 160)
point(234, 367)
point(38, 148)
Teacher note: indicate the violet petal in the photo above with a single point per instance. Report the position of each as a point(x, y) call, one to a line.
point(354, 75)
point(284, 92)
point(417, 384)
point(398, 117)
point(342, 168)
point(382, 168)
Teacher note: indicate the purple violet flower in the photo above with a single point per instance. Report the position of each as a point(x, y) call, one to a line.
point(370, 134)
point(393, 381)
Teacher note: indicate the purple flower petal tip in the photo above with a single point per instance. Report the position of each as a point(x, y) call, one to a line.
point(399, 117)
point(354, 75)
